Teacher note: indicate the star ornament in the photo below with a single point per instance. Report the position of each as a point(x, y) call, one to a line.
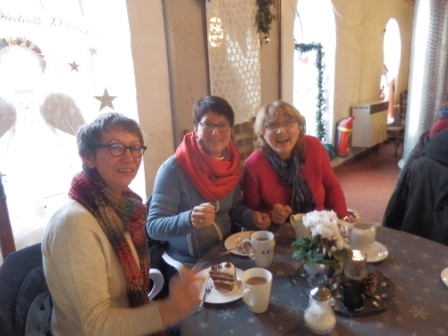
point(93, 51)
point(74, 66)
point(106, 100)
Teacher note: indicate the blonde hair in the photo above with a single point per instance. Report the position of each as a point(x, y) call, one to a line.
point(270, 112)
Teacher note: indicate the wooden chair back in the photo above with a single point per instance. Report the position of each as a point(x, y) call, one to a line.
point(244, 137)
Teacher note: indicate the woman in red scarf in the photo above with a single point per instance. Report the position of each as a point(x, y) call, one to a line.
point(197, 193)
point(95, 251)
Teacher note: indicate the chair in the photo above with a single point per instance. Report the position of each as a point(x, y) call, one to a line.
point(397, 134)
point(396, 130)
point(23, 286)
point(160, 259)
point(244, 137)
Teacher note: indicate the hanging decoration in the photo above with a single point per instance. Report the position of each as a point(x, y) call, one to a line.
point(23, 42)
point(304, 48)
point(264, 18)
point(93, 51)
point(106, 100)
point(74, 66)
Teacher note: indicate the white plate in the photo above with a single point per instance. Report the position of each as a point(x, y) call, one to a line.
point(378, 252)
point(222, 295)
point(237, 238)
point(444, 276)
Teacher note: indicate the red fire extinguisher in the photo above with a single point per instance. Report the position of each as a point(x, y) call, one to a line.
point(344, 136)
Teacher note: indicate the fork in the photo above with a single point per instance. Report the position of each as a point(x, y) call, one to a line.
point(207, 290)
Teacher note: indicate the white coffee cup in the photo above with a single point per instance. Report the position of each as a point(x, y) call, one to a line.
point(260, 247)
point(158, 280)
point(297, 223)
point(361, 236)
point(257, 284)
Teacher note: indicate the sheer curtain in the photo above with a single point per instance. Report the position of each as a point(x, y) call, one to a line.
point(57, 59)
point(234, 54)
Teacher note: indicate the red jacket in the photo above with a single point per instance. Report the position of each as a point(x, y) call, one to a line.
point(262, 186)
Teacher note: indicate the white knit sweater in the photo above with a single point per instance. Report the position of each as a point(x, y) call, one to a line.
point(86, 280)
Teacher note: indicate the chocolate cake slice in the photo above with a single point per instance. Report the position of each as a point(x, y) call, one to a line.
point(223, 275)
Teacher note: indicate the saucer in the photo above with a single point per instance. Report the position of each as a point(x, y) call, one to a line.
point(444, 276)
point(237, 238)
point(377, 252)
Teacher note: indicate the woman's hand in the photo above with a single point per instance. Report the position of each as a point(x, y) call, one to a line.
point(280, 213)
point(261, 220)
point(183, 298)
point(203, 215)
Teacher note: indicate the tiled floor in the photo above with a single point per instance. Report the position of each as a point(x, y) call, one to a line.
point(369, 182)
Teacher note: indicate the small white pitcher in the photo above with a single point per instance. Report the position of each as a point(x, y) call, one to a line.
point(297, 223)
point(361, 236)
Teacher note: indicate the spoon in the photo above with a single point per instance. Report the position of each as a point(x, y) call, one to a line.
point(237, 245)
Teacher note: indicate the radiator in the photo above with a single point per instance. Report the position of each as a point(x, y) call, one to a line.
point(370, 124)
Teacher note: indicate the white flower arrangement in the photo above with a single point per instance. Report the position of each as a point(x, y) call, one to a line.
point(325, 245)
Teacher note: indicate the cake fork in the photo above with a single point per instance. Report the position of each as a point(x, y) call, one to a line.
point(207, 290)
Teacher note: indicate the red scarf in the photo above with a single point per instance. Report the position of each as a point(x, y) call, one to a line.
point(212, 178)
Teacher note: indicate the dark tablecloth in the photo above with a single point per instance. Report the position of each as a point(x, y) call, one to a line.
point(419, 305)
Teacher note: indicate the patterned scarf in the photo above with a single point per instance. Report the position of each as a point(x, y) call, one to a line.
point(211, 177)
point(302, 200)
point(115, 218)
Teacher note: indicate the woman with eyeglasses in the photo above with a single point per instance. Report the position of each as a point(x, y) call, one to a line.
point(290, 172)
point(197, 192)
point(95, 250)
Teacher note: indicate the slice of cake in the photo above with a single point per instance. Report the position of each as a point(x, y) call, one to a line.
point(223, 275)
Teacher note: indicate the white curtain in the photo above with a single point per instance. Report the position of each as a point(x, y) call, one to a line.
point(234, 60)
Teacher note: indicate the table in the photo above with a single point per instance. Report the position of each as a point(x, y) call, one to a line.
point(419, 305)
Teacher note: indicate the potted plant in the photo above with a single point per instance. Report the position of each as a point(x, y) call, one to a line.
point(322, 252)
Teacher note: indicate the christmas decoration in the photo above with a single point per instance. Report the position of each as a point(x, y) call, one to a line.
point(264, 18)
point(321, 104)
point(74, 66)
point(106, 100)
point(92, 51)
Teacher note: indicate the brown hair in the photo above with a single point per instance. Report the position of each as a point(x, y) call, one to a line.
point(89, 135)
point(270, 112)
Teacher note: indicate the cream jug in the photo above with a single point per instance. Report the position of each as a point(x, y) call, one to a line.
point(297, 223)
point(361, 236)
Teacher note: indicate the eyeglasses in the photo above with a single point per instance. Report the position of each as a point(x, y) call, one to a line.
point(275, 126)
point(210, 127)
point(119, 150)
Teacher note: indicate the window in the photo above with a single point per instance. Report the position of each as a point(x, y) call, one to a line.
point(61, 64)
point(309, 31)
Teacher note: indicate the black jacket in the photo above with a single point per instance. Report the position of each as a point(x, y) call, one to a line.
point(419, 203)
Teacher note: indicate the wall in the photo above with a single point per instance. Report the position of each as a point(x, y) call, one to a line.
point(152, 82)
point(360, 28)
point(359, 52)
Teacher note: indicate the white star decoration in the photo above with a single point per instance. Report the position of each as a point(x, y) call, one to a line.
point(294, 308)
point(74, 66)
point(418, 312)
point(106, 100)
point(203, 325)
point(252, 320)
point(228, 313)
point(92, 51)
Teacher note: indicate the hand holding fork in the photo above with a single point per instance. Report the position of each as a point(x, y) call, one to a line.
point(207, 290)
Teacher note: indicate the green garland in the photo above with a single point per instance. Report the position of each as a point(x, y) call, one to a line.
point(264, 16)
point(321, 105)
